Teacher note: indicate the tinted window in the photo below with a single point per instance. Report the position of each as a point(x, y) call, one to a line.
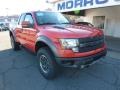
point(29, 18)
point(50, 18)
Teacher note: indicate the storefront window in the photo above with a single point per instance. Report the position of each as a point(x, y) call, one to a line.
point(99, 21)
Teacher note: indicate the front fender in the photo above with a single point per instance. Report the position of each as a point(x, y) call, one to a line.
point(49, 43)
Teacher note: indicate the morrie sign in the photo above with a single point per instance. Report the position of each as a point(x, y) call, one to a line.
point(71, 5)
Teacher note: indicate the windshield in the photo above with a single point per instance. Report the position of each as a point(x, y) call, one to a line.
point(45, 18)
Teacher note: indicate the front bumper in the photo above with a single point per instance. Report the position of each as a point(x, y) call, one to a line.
point(76, 62)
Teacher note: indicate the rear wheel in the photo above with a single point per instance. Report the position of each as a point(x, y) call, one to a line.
point(15, 45)
point(46, 62)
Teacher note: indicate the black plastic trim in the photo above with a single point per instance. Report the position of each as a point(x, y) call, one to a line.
point(50, 44)
point(91, 43)
point(82, 60)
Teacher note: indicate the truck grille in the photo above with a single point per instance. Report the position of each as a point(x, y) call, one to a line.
point(91, 43)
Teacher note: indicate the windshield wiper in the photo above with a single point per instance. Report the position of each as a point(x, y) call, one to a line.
point(65, 23)
point(48, 23)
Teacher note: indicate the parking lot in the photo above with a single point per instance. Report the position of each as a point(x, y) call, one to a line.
point(18, 71)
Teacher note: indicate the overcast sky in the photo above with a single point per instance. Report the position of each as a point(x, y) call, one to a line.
point(18, 6)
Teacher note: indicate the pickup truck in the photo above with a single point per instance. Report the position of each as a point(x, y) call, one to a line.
point(57, 42)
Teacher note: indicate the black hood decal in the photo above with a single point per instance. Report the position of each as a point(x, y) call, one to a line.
point(62, 27)
point(59, 27)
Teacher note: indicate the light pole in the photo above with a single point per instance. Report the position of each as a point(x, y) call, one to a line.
point(6, 11)
point(6, 19)
point(50, 5)
point(52, 2)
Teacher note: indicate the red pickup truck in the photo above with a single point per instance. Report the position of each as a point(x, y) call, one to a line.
point(57, 42)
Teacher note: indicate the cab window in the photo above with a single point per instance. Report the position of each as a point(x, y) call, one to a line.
point(29, 18)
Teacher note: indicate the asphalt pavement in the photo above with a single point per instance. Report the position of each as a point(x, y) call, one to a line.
point(113, 43)
point(18, 71)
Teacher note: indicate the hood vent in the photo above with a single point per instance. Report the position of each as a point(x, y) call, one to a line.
point(59, 27)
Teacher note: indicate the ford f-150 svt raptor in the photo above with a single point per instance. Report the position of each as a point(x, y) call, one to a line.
point(57, 42)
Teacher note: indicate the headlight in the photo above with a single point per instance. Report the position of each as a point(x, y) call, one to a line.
point(69, 43)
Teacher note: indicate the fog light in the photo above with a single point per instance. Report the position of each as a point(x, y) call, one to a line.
point(75, 49)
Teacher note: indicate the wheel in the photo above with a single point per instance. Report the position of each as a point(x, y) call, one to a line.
point(15, 45)
point(47, 64)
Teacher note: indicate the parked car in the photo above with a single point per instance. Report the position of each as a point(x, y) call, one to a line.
point(3, 26)
point(57, 42)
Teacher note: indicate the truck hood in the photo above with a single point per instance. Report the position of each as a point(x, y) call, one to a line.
point(70, 31)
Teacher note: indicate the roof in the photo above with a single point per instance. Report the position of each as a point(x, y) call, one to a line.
point(47, 10)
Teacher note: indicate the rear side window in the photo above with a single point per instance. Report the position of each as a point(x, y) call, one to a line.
point(21, 19)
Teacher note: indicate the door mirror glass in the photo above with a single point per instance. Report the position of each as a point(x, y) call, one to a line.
point(27, 24)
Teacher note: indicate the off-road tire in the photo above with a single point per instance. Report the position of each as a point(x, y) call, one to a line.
point(52, 66)
point(15, 45)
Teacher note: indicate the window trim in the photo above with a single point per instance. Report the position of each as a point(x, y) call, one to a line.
point(20, 18)
point(31, 16)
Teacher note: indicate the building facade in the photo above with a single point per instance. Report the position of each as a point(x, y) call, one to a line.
point(104, 14)
point(109, 17)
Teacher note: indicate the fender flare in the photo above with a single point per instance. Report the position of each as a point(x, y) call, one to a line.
point(49, 43)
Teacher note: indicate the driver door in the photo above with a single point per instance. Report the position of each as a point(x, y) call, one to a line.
point(30, 33)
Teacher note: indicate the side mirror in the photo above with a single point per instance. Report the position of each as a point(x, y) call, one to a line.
point(27, 24)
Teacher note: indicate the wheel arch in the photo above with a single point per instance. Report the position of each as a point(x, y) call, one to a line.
point(44, 41)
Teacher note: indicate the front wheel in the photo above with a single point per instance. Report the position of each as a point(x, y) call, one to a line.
point(47, 64)
point(15, 45)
